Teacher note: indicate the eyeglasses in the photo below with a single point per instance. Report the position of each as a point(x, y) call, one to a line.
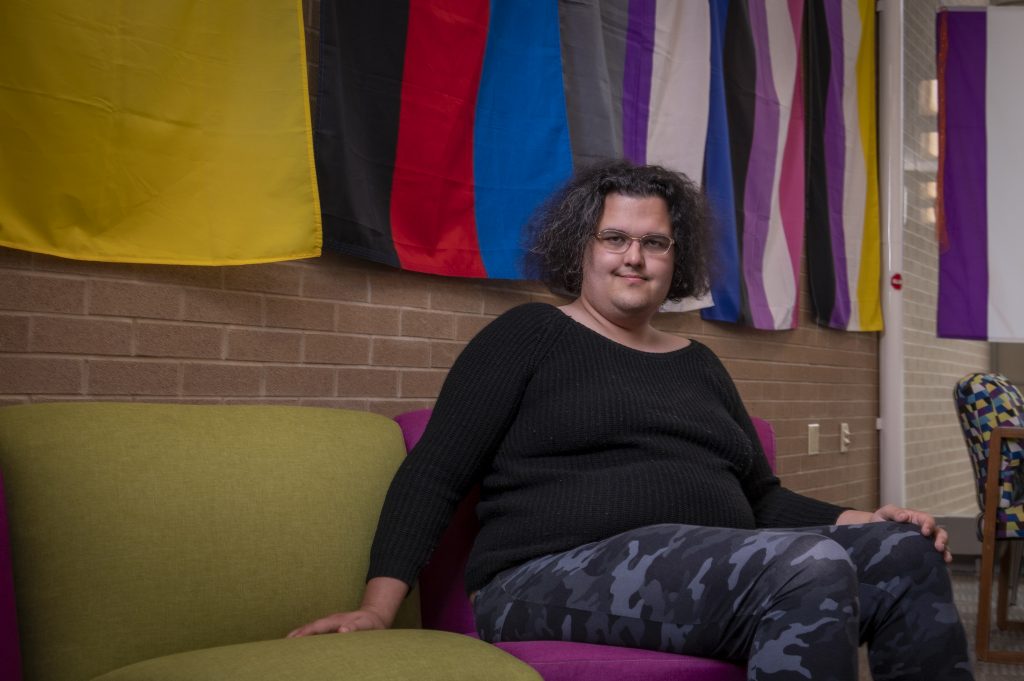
point(614, 241)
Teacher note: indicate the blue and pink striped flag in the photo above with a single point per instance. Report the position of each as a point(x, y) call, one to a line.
point(754, 161)
point(791, 151)
point(981, 276)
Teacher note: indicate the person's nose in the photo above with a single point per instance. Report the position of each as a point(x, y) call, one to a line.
point(634, 254)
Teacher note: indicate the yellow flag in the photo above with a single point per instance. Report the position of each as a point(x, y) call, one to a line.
point(173, 132)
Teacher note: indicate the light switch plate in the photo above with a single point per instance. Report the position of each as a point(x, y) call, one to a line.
point(813, 438)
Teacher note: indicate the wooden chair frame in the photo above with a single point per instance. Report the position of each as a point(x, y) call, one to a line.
point(988, 558)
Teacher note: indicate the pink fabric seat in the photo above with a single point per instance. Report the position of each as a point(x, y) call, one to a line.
point(445, 605)
point(10, 653)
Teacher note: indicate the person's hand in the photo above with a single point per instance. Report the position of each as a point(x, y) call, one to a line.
point(341, 623)
point(380, 603)
point(889, 512)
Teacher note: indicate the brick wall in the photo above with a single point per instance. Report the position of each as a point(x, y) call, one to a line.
point(938, 475)
point(340, 332)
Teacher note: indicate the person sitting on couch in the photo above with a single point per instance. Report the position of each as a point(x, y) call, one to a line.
point(625, 498)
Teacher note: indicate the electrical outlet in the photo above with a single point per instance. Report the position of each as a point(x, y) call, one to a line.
point(813, 438)
point(844, 437)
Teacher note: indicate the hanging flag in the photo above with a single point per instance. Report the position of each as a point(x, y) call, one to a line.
point(843, 233)
point(649, 61)
point(754, 161)
point(173, 132)
point(443, 124)
point(980, 145)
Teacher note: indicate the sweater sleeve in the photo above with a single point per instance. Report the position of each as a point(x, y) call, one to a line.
point(477, 403)
point(773, 504)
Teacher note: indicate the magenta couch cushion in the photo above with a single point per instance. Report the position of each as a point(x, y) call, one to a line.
point(10, 653)
point(445, 606)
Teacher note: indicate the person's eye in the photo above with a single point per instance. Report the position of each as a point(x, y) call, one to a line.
point(614, 239)
point(656, 243)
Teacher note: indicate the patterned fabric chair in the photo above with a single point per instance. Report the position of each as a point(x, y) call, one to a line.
point(991, 411)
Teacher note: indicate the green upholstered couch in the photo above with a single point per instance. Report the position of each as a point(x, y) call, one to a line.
point(182, 542)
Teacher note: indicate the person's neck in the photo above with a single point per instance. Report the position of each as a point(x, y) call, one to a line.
point(634, 331)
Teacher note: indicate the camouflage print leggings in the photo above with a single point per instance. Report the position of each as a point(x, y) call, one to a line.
point(792, 604)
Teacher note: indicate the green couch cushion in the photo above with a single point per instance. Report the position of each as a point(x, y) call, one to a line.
point(141, 530)
point(397, 655)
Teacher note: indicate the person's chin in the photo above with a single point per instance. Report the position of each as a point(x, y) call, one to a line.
point(635, 301)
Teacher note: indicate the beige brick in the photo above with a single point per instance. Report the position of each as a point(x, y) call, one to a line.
point(40, 375)
point(196, 341)
point(223, 307)
point(457, 295)
point(369, 319)
point(15, 259)
point(22, 290)
point(300, 381)
point(467, 326)
point(401, 353)
point(49, 399)
point(422, 383)
point(85, 268)
point(497, 301)
point(183, 275)
point(399, 288)
point(132, 377)
point(281, 278)
point(264, 346)
point(129, 299)
point(295, 313)
point(221, 379)
point(685, 324)
point(178, 400)
point(550, 299)
point(335, 283)
point(280, 401)
point(423, 324)
point(329, 348)
point(335, 403)
point(443, 355)
point(13, 333)
point(81, 336)
point(367, 383)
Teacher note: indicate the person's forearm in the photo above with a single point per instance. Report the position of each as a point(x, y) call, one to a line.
point(383, 596)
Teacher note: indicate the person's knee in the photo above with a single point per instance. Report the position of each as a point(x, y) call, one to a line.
point(900, 548)
point(821, 565)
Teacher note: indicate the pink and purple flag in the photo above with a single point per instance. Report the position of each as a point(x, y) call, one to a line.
point(981, 144)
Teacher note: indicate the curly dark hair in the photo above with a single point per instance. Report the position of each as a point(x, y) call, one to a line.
point(558, 233)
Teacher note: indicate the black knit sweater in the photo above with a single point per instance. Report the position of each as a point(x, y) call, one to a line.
point(575, 438)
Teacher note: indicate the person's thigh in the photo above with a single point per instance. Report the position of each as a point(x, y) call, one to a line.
point(714, 592)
